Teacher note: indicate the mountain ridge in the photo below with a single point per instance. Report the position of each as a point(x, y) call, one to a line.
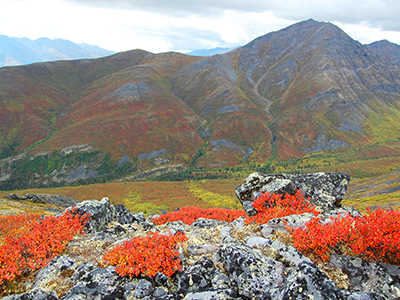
point(308, 88)
point(20, 51)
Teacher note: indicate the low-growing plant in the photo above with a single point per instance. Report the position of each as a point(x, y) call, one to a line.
point(189, 214)
point(36, 241)
point(271, 206)
point(155, 252)
point(373, 237)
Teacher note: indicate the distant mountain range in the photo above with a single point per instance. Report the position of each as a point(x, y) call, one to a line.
point(209, 52)
point(308, 88)
point(21, 51)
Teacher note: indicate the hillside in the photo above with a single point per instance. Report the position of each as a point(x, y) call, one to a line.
point(21, 51)
point(306, 89)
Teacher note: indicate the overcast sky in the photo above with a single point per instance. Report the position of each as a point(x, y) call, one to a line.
point(179, 25)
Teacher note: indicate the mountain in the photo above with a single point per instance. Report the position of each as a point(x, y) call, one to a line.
point(308, 88)
point(209, 52)
point(21, 51)
point(387, 50)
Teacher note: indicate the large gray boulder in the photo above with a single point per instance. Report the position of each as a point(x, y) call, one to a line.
point(325, 190)
point(102, 213)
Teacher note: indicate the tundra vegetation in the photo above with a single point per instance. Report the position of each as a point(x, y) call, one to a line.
point(374, 236)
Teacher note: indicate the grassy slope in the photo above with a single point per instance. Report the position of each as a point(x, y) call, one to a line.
point(152, 196)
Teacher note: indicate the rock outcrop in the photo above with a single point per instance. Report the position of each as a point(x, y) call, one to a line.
point(220, 261)
point(326, 190)
point(58, 200)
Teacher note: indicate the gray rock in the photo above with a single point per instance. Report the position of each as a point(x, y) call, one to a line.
point(206, 223)
point(325, 190)
point(369, 276)
point(202, 276)
point(257, 241)
point(98, 284)
point(102, 213)
point(13, 196)
point(161, 280)
point(251, 273)
point(58, 200)
point(278, 186)
point(34, 295)
point(227, 294)
point(226, 235)
point(202, 249)
point(306, 281)
point(143, 288)
point(238, 223)
point(279, 224)
point(123, 215)
point(57, 266)
point(178, 225)
point(159, 292)
point(288, 253)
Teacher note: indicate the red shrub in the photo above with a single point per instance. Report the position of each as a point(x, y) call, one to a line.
point(375, 236)
point(146, 255)
point(189, 214)
point(272, 206)
point(36, 242)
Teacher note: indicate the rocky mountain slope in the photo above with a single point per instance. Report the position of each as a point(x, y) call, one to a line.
point(305, 89)
point(20, 51)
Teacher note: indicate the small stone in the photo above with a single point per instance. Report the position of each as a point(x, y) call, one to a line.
point(143, 288)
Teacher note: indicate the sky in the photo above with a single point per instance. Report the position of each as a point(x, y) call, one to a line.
point(184, 25)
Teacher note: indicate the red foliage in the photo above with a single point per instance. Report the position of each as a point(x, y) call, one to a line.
point(16, 225)
point(272, 206)
point(36, 242)
point(189, 214)
point(147, 255)
point(374, 236)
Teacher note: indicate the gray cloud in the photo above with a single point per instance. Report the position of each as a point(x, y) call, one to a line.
point(187, 38)
point(382, 14)
point(179, 7)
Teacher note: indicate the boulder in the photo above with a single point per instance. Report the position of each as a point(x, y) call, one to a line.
point(325, 190)
point(202, 276)
point(97, 284)
point(102, 213)
point(369, 276)
point(253, 275)
point(306, 281)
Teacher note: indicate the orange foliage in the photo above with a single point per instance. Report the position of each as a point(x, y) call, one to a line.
point(374, 236)
point(147, 255)
point(189, 214)
point(36, 242)
point(272, 206)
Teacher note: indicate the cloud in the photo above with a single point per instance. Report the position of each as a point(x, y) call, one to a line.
point(180, 8)
point(382, 14)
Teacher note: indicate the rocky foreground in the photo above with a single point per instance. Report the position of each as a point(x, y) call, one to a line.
point(220, 260)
